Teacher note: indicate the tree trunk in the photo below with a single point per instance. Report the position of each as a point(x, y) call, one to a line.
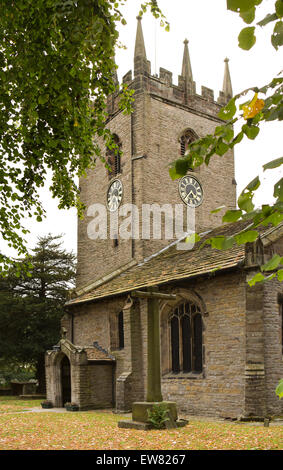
point(40, 375)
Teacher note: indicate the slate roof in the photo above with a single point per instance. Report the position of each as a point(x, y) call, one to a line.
point(171, 264)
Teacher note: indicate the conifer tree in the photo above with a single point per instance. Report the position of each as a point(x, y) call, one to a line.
point(32, 304)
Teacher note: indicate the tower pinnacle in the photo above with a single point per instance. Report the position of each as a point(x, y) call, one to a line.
point(139, 46)
point(227, 83)
point(186, 66)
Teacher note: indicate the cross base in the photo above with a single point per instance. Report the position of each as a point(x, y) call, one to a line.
point(140, 416)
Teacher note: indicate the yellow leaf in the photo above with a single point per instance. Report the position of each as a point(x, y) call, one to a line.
point(253, 108)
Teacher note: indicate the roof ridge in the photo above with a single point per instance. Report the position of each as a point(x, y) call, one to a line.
point(145, 260)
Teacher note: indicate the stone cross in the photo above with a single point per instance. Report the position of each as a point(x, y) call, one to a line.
point(153, 341)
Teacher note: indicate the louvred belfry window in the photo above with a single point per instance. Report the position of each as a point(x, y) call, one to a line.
point(186, 139)
point(114, 158)
point(186, 338)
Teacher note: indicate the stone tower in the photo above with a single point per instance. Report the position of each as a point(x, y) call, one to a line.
point(166, 118)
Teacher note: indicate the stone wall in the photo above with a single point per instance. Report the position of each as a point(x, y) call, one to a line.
point(255, 401)
point(273, 345)
point(92, 322)
point(101, 386)
point(219, 389)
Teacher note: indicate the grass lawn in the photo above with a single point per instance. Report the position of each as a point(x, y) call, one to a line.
point(9, 404)
point(98, 431)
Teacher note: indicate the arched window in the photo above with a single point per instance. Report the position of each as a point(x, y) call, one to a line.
point(187, 138)
point(114, 158)
point(186, 338)
point(121, 329)
point(117, 340)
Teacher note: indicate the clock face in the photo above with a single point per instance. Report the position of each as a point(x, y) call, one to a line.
point(114, 195)
point(190, 191)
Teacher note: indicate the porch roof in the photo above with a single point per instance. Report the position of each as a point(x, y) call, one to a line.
point(97, 353)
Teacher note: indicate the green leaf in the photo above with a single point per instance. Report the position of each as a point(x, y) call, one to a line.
point(250, 131)
point(179, 169)
point(221, 148)
point(272, 264)
point(249, 236)
point(247, 38)
point(257, 278)
point(43, 99)
point(278, 190)
point(272, 114)
point(254, 184)
point(193, 238)
point(271, 276)
point(273, 219)
point(242, 5)
point(226, 132)
point(173, 174)
point(217, 242)
point(280, 275)
point(248, 16)
point(277, 36)
point(245, 202)
point(228, 111)
point(237, 139)
point(228, 243)
point(279, 8)
point(221, 242)
point(273, 164)
point(279, 389)
point(232, 216)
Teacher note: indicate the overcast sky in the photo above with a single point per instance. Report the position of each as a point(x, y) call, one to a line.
point(212, 32)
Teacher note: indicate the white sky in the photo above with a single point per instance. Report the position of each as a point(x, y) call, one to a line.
point(212, 32)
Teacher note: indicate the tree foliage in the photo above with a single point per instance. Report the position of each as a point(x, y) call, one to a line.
point(279, 389)
point(266, 105)
point(32, 304)
point(56, 70)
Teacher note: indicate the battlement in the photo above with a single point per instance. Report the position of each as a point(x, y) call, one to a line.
point(162, 87)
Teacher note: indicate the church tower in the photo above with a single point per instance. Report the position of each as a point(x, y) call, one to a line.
point(166, 118)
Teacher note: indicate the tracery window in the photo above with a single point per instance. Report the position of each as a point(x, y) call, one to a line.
point(114, 158)
point(186, 338)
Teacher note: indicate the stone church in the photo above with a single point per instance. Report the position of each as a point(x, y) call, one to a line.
point(220, 340)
